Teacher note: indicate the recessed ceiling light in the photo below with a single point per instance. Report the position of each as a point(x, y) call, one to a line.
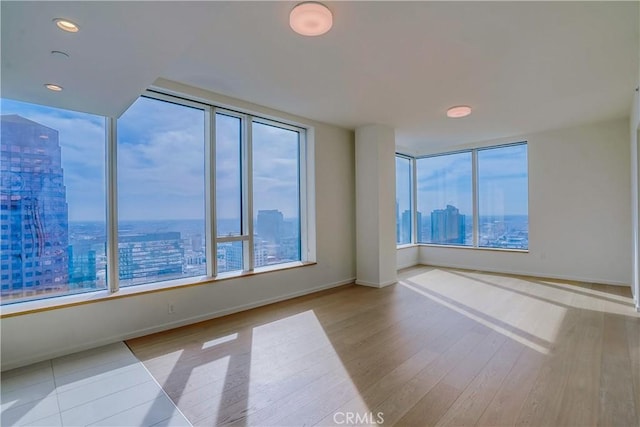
point(66, 25)
point(310, 19)
point(53, 87)
point(458, 111)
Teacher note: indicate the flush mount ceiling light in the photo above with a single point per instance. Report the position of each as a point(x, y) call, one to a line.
point(53, 87)
point(458, 111)
point(310, 19)
point(59, 54)
point(66, 25)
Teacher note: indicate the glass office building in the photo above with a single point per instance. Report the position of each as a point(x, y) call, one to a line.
point(34, 213)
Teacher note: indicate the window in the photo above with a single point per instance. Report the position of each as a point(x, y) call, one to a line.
point(404, 188)
point(229, 194)
point(197, 191)
point(445, 199)
point(53, 202)
point(276, 193)
point(160, 192)
point(449, 199)
point(503, 220)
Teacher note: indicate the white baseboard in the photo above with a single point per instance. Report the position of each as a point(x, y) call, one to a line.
point(237, 309)
point(407, 265)
point(376, 285)
point(165, 326)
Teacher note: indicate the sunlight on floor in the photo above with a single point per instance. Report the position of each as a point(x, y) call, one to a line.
point(527, 310)
point(511, 312)
point(219, 341)
point(194, 392)
point(307, 364)
point(283, 372)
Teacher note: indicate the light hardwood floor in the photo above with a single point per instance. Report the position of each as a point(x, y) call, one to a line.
point(441, 347)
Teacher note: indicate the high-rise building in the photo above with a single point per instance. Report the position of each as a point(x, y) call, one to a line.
point(82, 266)
point(405, 225)
point(196, 243)
point(230, 256)
point(405, 228)
point(398, 224)
point(447, 226)
point(34, 213)
point(269, 228)
point(153, 255)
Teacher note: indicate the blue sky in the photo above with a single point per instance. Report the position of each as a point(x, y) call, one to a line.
point(403, 184)
point(275, 169)
point(502, 181)
point(444, 180)
point(161, 162)
point(502, 186)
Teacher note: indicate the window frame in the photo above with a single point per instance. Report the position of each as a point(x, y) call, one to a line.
point(475, 197)
point(302, 157)
point(306, 206)
point(412, 201)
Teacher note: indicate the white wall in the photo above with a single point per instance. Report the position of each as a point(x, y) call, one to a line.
point(579, 209)
point(33, 337)
point(375, 201)
point(635, 200)
point(407, 256)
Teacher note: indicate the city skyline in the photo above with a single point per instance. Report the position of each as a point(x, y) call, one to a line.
point(48, 252)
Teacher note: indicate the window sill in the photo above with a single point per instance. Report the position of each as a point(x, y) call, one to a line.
point(54, 303)
point(477, 248)
point(407, 246)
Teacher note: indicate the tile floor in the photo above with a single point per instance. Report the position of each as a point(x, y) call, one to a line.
point(105, 386)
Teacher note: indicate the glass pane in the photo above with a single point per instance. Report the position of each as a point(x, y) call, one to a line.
point(230, 256)
point(276, 195)
point(403, 200)
point(160, 192)
point(228, 176)
point(503, 217)
point(52, 218)
point(445, 199)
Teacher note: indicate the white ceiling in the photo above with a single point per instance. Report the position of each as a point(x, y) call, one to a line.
point(522, 66)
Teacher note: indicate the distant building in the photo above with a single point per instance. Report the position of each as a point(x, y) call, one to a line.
point(143, 257)
point(260, 255)
point(196, 243)
point(398, 224)
point(276, 240)
point(33, 214)
point(230, 256)
point(447, 226)
point(289, 248)
point(270, 225)
point(82, 266)
point(405, 228)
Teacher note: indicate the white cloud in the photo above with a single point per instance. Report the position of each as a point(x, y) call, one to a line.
point(161, 162)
